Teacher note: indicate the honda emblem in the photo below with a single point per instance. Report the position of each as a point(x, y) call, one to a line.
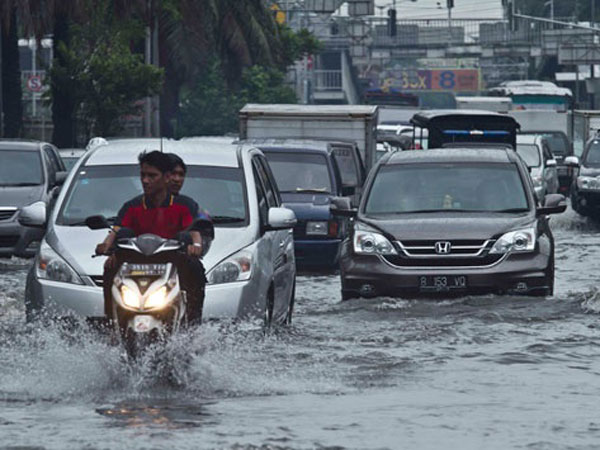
point(443, 248)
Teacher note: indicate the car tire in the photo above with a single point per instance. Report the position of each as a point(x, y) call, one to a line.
point(290, 311)
point(349, 295)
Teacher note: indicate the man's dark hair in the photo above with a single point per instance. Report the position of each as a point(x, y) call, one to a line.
point(157, 159)
point(177, 161)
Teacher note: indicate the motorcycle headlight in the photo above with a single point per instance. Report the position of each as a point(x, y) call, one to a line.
point(130, 298)
point(157, 300)
point(590, 183)
point(50, 266)
point(368, 242)
point(317, 228)
point(519, 241)
point(237, 267)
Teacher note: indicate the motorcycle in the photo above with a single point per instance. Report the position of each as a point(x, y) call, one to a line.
point(148, 302)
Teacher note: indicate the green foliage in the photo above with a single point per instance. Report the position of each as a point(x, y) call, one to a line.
point(211, 107)
point(104, 76)
point(297, 45)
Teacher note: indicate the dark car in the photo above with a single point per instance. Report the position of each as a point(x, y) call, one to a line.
point(29, 173)
point(308, 177)
point(449, 221)
point(560, 147)
point(585, 190)
point(455, 127)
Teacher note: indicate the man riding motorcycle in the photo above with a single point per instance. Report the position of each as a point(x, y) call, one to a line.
point(171, 216)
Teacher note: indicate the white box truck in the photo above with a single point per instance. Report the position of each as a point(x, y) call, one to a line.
point(356, 123)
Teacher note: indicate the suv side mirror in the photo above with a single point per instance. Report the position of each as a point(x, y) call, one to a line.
point(33, 215)
point(342, 207)
point(551, 163)
point(553, 204)
point(572, 161)
point(281, 219)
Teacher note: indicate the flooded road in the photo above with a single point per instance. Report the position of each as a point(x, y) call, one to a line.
point(478, 372)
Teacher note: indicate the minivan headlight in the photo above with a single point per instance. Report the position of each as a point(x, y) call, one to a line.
point(50, 266)
point(367, 242)
point(591, 183)
point(237, 267)
point(518, 241)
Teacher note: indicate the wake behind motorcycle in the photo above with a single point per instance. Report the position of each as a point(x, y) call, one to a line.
point(149, 303)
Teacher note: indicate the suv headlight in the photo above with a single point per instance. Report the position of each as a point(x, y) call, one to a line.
point(591, 183)
point(519, 241)
point(237, 267)
point(368, 242)
point(50, 266)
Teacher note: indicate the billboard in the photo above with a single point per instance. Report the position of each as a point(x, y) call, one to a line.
point(447, 79)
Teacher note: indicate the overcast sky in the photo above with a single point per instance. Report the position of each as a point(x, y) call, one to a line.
point(426, 9)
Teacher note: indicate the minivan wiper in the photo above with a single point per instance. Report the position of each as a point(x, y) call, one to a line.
point(19, 184)
point(307, 191)
point(81, 223)
point(227, 219)
point(426, 211)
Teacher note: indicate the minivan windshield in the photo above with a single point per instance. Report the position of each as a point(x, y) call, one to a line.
point(300, 172)
point(592, 156)
point(447, 187)
point(20, 168)
point(530, 154)
point(103, 190)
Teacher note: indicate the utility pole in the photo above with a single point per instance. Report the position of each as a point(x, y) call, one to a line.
point(450, 4)
point(148, 60)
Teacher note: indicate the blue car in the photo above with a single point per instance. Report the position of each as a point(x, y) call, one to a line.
point(308, 177)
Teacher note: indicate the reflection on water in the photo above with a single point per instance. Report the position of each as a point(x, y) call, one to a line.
point(162, 414)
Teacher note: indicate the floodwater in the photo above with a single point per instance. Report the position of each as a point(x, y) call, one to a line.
point(479, 372)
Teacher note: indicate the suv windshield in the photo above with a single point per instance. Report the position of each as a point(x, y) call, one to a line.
point(435, 187)
point(20, 168)
point(530, 154)
point(104, 189)
point(299, 172)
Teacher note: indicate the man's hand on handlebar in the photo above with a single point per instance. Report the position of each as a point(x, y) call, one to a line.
point(194, 250)
point(102, 248)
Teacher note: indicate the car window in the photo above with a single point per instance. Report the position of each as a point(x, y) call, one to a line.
point(547, 152)
point(592, 155)
point(300, 172)
point(270, 187)
point(426, 188)
point(530, 154)
point(20, 168)
point(50, 167)
point(53, 158)
point(346, 162)
point(263, 207)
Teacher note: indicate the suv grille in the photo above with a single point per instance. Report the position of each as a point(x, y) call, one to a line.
point(6, 213)
point(440, 253)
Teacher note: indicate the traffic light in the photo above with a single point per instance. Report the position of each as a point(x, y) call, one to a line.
point(392, 30)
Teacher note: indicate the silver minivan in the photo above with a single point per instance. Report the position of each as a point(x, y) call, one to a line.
point(534, 150)
point(250, 266)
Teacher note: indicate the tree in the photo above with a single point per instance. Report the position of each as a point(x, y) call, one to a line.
point(103, 76)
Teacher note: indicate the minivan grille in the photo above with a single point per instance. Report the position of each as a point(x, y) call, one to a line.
point(7, 212)
point(9, 241)
point(98, 280)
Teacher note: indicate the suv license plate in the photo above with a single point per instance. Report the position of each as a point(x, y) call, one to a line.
point(442, 283)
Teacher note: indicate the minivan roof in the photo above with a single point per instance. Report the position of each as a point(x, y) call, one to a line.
point(17, 144)
point(443, 155)
point(203, 153)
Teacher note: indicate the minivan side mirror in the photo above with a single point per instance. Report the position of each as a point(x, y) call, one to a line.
point(281, 219)
point(342, 207)
point(553, 204)
point(551, 163)
point(572, 161)
point(33, 215)
point(97, 223)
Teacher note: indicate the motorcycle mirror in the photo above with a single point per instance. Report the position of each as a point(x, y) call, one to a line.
point(97, 222)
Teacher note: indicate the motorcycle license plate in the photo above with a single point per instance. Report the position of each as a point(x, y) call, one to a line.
point(442, 283)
